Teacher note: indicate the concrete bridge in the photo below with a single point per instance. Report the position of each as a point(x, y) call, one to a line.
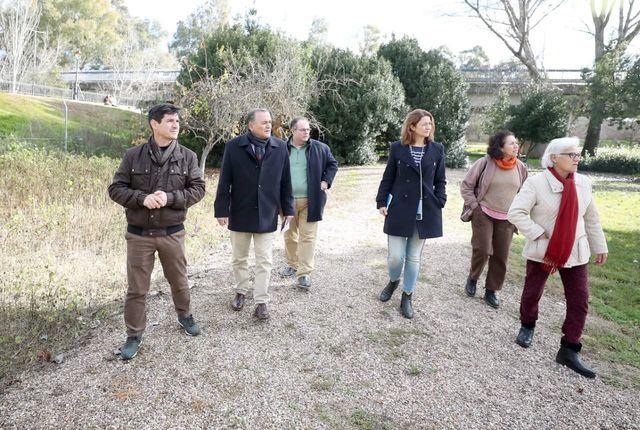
point(483, 83)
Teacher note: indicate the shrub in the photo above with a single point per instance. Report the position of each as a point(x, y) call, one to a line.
point(540, 116)
point(614, 160)
point(364, 98)
point(432, 82)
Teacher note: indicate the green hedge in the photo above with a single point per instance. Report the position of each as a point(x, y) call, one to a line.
point(614, 160)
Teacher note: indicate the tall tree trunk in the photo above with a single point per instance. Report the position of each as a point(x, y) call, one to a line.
point(596, 114)
point(592, 139)
point(205, 153)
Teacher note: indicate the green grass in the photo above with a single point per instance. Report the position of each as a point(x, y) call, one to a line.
point(614, 292)
point(92, 129)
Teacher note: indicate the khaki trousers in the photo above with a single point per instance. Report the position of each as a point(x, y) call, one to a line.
point(300, 240)
point(141, 253)
point(263, 249)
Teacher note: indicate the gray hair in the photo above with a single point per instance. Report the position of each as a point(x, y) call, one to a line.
point(556, 146)
point(251, 116)
point(295, 121)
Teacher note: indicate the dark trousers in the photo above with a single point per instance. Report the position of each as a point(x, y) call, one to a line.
point(576, 293)
point(490, 241)
point(141, 254)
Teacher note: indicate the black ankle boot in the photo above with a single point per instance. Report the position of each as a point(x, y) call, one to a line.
point(525, 336)
point(470, 287)
point(387, 291)
point(405, 305)
point(569, 355)
point(491, 298)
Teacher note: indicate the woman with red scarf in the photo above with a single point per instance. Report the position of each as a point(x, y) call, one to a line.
point(555, 211)
point(488, 189)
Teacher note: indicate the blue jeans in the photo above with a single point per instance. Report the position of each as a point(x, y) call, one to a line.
point(405, 251)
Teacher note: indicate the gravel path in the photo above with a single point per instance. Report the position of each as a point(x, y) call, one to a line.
point(333, 357)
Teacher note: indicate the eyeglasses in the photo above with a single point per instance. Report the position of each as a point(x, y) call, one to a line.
point(573, 155)
point(304, 130)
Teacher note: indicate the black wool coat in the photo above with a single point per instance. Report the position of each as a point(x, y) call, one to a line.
point(321, 166)
point(251, 194)
point(401, 179)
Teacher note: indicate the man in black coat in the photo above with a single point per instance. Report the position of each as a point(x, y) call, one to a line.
point(313, 169)
point(254, 186)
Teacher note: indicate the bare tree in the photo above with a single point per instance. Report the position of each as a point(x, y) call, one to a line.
point(628, 27)
point(215, 107)
point(512, 21)
point(18, 22)
point(132, 70)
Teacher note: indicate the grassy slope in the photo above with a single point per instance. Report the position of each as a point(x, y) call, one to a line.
point(92, 128)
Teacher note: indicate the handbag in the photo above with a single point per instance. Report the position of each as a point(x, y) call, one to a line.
point(467, 211)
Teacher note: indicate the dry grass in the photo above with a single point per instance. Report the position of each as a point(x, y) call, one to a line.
point(63, 252)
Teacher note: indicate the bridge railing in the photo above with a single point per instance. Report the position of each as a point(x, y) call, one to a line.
point(521, 76)
point(95, 76)
point(63, 93)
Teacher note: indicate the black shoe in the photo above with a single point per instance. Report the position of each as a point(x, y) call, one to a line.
point(130, 347)
point(387, 291)
point(189, 325)
point(470, 287)
point(261, 312)
point(238, 302)
point(405, 305)
point(569, 356)
point(491, 299)
point(525, 337)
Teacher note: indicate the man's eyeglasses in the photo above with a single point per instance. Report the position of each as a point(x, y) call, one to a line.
point(573, 155)
point(304, 130)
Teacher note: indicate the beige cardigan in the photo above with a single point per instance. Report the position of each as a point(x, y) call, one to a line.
point(534, 212)
point(477, 180)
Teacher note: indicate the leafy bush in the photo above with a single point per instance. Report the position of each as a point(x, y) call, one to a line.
point(498, 114)
point(363, 99)
point(432, 82)
point(540, 116)
point(614, 160)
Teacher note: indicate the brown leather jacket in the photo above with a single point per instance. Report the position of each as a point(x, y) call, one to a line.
point(137, 177)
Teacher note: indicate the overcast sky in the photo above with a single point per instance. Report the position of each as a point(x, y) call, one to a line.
point(562, 41)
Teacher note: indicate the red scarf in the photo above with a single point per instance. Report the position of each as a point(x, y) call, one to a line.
point(504, 164)
point(564, 232)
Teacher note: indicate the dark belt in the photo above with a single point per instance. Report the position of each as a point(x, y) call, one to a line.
point(155, 231)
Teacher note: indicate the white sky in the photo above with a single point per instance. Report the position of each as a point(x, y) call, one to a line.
point(562, 42)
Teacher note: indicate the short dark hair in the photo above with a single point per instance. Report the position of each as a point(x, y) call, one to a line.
point(252, 114)
point(295, 121)
point(158, 112)
point(496, 143)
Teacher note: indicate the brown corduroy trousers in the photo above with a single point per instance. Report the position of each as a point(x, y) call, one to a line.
point(141, 252)
point(490, 241)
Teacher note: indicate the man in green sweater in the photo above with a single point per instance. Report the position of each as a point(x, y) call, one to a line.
point(313, 169)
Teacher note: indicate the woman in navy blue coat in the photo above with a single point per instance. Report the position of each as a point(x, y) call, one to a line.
point(411, 196)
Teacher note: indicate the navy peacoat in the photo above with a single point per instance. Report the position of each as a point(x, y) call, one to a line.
point(401, 179)
point(251, 194)
point(321, 166)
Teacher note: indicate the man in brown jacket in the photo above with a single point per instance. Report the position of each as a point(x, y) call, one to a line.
point(156, 183)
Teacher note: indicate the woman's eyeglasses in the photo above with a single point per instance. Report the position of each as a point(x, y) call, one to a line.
point(573, 155)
